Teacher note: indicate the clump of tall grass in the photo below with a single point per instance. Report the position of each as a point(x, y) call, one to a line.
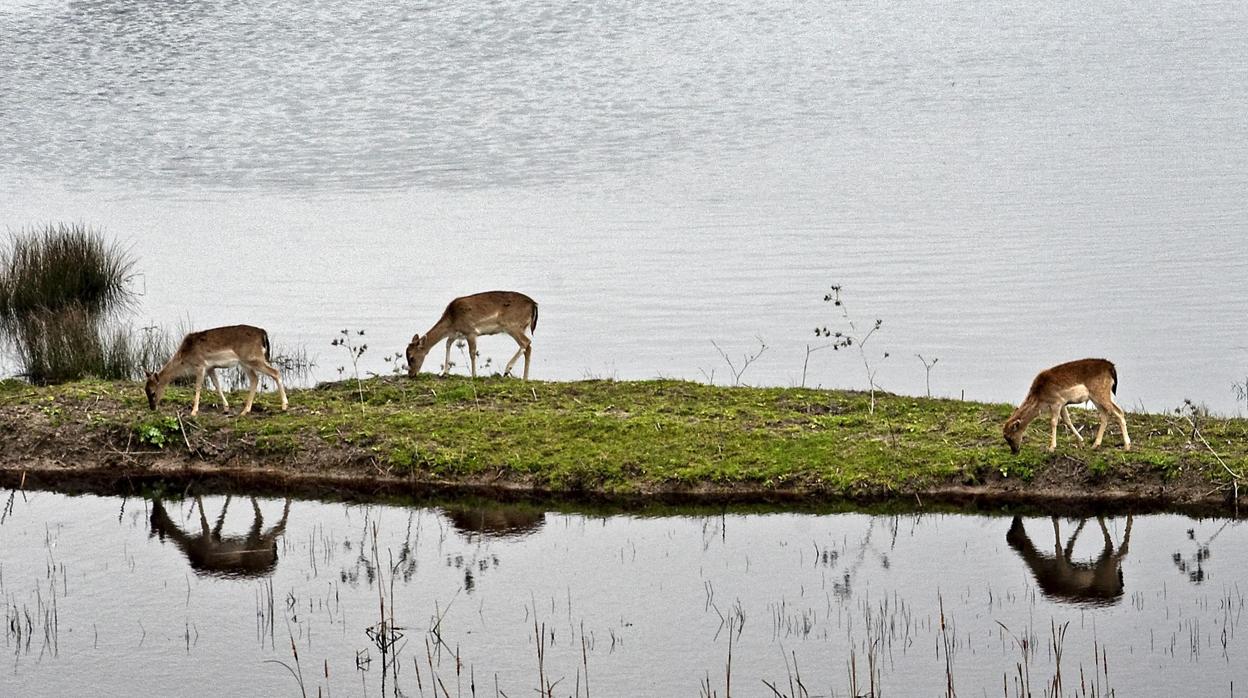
point(61, 288)
point(60, 267)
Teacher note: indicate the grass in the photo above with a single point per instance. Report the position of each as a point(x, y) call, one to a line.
point(60, 266)
point(606, 437)
point(60, 286)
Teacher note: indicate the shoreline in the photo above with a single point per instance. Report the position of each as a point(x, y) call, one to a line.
point(627, 445)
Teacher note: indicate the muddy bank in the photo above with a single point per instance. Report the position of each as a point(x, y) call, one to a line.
point(192, 476)
point(593, 442)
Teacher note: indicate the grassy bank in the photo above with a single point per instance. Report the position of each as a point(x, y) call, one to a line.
point(592, 439)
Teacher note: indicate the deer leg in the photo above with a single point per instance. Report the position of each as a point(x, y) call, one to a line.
point(1122, 423)
point(446, 365)
point(1056, 414)
point(1103, 418)
point(251, 393)
point(199, 385)
point(524, 349)
point(472, 353)
point(1070, 425)
point(1108, 408)
point(276, 375)
point(225, 405)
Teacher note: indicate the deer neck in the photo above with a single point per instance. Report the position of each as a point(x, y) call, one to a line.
point(440, 331)
point(1028, 411)
point(174, 368)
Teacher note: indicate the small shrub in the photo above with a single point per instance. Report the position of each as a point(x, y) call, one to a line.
point(157, 430)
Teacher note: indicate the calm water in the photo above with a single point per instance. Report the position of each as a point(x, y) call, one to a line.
point(1006, 186)
point(117, 594)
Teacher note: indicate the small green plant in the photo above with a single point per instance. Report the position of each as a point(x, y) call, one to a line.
point(1021, 471)
point(355, 352)
point(157, 430)
point(1193, 414)
point(746, 360)
point(852, 337)
point(397, 367)
point(927, 367)
point(1099, 467)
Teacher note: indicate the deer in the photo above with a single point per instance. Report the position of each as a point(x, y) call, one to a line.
point(1074, 382)
point(1096, 582)
point(468, 317)
point(220, 347)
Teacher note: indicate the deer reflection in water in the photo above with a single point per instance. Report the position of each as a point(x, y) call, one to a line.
point(211, 553)
point(495, 522)
point(1096, 582)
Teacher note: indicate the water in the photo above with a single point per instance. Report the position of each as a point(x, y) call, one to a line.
point(1006, 187)
point(117, 593)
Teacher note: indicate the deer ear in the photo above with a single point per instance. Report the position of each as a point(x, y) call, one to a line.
point(1013, 424)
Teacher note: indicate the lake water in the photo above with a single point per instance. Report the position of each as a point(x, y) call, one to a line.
point(1005, 186)
point(118, 593)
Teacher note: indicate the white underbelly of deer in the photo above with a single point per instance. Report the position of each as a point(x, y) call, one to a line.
point(1076, 394)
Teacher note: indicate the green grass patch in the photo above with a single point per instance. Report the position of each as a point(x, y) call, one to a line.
point(622, 437)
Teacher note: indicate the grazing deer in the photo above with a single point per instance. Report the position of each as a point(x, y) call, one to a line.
point(221, 347)
point(1065, 384)
point(210, 553)
point(468, 317)
point(1096, 582)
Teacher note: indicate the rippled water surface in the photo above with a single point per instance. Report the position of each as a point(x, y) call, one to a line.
point(1005, 186)
point(207, 595)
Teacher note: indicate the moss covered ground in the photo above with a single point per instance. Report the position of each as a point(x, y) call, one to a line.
point(609, 438)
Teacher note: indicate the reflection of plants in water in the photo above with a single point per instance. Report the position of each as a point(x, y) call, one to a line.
point(366, 564)
point(40, 624)
point(8, 506)
point(1193, 565)
point(472, 566)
